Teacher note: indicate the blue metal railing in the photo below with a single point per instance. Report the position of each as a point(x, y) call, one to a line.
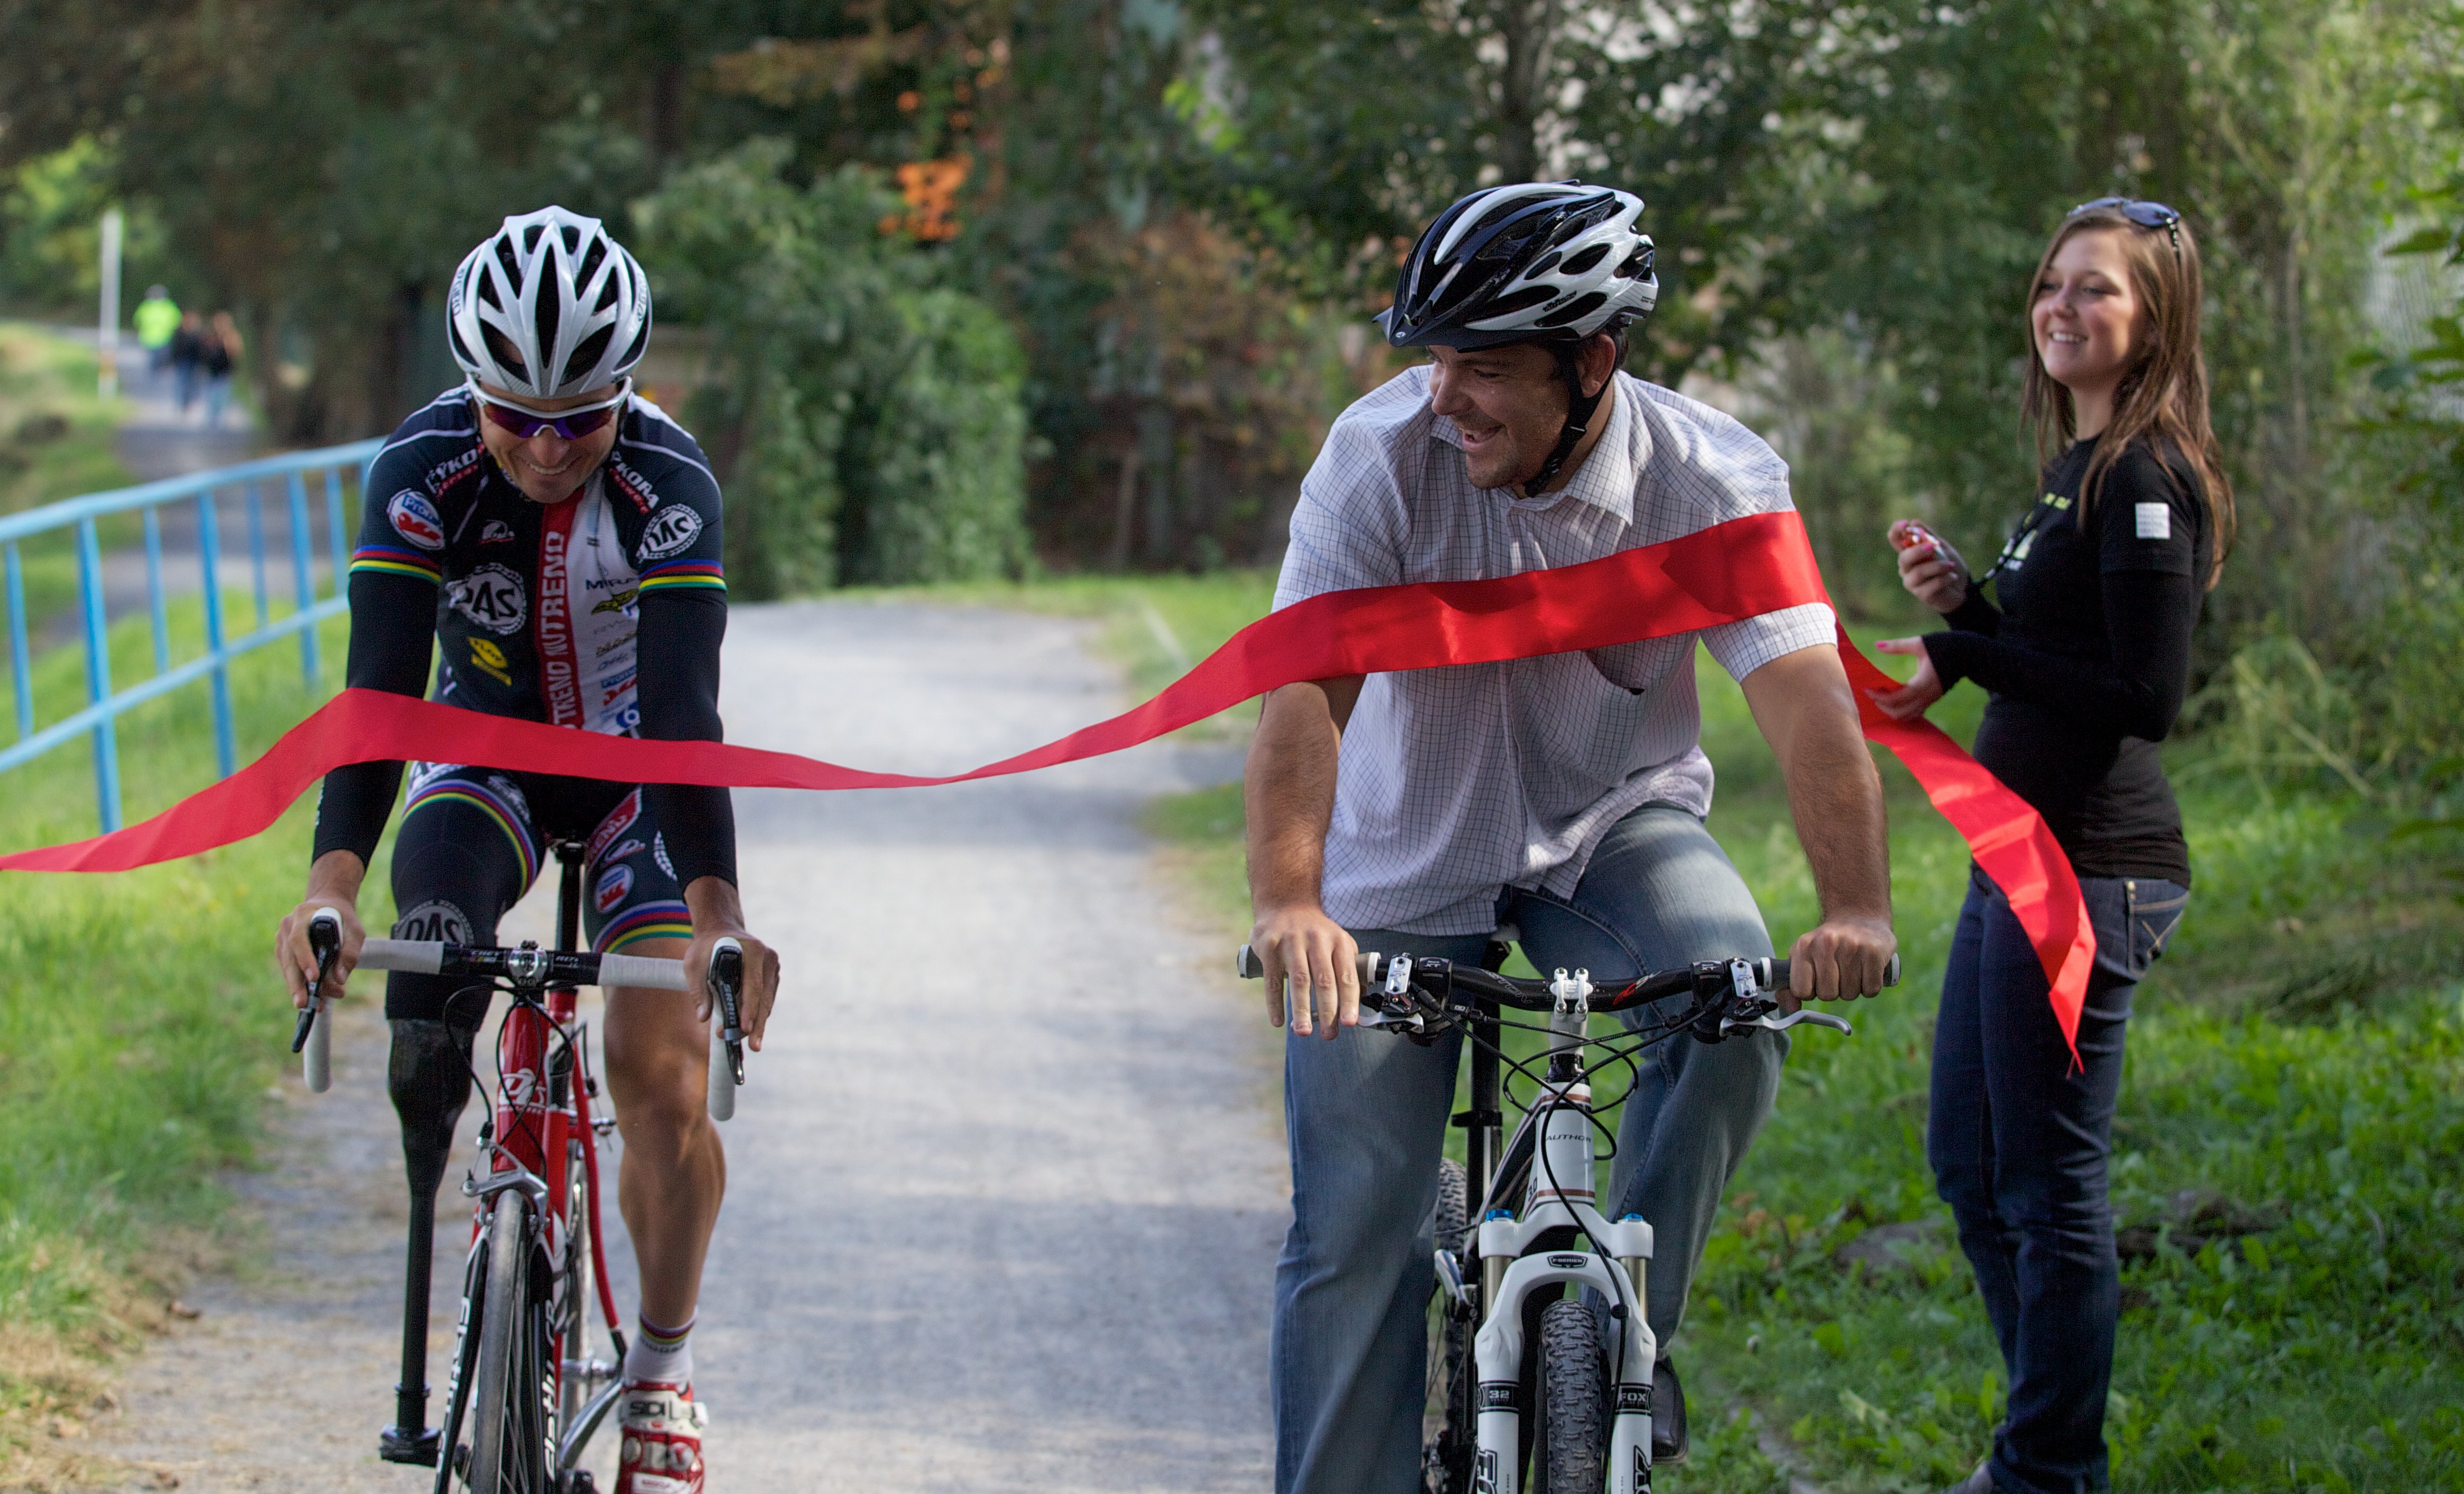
point(206, 490)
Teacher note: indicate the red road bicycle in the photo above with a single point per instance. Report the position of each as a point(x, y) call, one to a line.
point(525, 1387)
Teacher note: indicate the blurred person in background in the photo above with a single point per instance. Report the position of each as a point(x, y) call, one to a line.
point(218, 355)
point(156, 318)
point(2087, 657)
point(187, 353)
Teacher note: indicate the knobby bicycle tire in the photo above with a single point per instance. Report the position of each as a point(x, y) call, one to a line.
point(1449, 1423)
point(510, 1452)
point(1571, 1453)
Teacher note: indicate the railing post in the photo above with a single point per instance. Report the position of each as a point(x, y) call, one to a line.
point(98, 675)
point(303, 585)
point(210, 549)
point(21, 677)
point(154, 591)
point(256, 554)
point(336, 539)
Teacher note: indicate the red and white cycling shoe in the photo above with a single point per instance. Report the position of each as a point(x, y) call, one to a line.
point(661, 1449)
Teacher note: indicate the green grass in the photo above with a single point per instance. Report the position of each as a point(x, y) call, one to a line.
point(55, 433)
point(140, 1024)
point(2298, 1054)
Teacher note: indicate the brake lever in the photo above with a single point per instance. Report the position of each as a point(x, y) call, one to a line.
point(1771, 1023)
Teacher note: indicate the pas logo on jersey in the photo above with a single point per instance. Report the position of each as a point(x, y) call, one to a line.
point(492, 597)
point(435, 920)
point(415, 519)
point(612, 887)
point(495, 531)
point(671, 530)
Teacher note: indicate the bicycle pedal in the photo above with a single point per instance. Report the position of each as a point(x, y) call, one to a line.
point(417, 1448)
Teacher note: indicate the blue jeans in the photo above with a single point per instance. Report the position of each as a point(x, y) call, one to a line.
point(2019, 1139)
point(1367, 1116)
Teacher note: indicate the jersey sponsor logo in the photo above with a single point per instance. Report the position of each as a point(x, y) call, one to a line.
point(613, 884)
point(631, 482)
point(492, 597)
point(435, 920)
point(490, 660)
point(611, 690)
point(622, 601)
point(659, 853)
point(445, 474)
point(619, 819)
point(629, 849)
point(558, 680)
point(671, 531)
point(510, 793)
point(423, 774)
point(495, 531)
point(415, 519)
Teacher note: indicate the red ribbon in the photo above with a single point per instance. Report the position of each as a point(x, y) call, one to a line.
point(1739, 569)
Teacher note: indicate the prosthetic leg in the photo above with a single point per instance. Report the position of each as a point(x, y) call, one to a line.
point(430, 1078)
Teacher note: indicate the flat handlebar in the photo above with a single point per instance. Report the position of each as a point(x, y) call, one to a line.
point(1531, 994)
point(434, 957)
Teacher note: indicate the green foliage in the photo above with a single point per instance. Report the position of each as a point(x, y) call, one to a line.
point(139, 1024)
point(51, 235)
point(869, 421)
point(55, 434)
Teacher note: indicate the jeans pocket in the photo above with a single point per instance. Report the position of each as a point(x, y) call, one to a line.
point(2153, 911)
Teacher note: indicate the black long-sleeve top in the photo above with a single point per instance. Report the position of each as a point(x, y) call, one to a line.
point(2088, 658)
point(546, 612)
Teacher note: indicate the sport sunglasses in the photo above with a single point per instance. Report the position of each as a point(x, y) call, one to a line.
point(2145, 215)
point(523, 423)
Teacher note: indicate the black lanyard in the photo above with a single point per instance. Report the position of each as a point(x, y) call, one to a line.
point(2014, 549)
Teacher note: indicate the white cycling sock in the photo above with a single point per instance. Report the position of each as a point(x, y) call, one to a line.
point(663, 1356)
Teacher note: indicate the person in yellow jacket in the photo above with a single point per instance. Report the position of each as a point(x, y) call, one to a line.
point(157, 318)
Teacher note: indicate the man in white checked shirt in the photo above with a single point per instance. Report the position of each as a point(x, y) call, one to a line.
point(1564, 795)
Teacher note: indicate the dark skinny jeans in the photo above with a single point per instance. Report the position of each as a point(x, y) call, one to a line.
point(2019, 1140)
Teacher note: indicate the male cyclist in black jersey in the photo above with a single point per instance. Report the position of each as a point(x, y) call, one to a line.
point(560, 536)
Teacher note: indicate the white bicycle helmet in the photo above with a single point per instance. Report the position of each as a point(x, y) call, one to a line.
point(1553, 262)
point(1538, 261)
point(549, 306)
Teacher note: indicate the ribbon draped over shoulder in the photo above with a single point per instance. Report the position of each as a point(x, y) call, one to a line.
point(1739, 569)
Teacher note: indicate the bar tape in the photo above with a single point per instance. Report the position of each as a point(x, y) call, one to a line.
point(1738, 569)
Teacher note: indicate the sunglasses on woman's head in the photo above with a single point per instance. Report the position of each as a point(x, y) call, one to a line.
point(523, 423)
point(2145, 215)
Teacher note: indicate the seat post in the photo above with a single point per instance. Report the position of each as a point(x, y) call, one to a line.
point(569, 895)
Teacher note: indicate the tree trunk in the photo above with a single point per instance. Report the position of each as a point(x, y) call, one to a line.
point(1529, 27)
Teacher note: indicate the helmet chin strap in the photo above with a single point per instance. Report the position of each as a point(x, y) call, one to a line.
point(1579, 410)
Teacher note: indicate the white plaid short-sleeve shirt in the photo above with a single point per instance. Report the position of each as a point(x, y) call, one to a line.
point(1455, 784)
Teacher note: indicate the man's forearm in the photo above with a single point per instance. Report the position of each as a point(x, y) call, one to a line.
point(338, 874)
point(1288, 793)
point(1836, 798)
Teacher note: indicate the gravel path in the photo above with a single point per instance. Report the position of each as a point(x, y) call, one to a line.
point(1005, 1188)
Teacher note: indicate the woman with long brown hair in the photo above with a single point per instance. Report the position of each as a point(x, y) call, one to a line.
point(2087, 657)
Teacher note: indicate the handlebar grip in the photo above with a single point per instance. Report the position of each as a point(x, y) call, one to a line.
point(727, 982)
point(1247, 964)
point(1779, 973)
point(317, 1052)
point(418, 956)
point(634, 970)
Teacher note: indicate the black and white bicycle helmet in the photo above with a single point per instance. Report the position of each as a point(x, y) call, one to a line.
point(549, 306)
point(1538, 261)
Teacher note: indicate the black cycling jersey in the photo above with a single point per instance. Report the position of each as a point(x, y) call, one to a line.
point(2089, 658)
point(545, 612)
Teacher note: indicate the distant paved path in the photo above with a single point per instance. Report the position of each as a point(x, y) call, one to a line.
point(1006, 1187)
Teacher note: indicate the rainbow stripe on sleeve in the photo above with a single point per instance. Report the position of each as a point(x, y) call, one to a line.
point(394, 561)
point(684, 575)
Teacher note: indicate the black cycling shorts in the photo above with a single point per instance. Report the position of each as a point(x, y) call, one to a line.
point(472, 843)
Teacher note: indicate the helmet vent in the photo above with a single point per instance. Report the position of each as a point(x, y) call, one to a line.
point(1637, 264)
point(1513, 301)
point(544, 318)
point(587, 356)
point(591, 260)
point(1581, 262)
point(512, 267)
point(501, 348)
point(1581, 306)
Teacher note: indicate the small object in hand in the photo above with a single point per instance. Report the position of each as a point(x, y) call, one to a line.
point(1915, 535)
